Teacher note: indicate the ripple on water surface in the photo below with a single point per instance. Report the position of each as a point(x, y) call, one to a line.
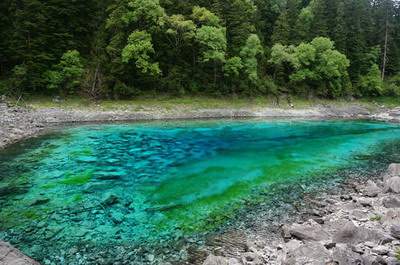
point(127, 183)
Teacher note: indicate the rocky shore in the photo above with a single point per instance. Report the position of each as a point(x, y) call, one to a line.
point(17, 123)
point(359, 226)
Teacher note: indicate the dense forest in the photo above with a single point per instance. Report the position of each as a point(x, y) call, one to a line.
point(125, 48)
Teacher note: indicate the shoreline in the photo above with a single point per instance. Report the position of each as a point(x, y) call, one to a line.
point(17, 123)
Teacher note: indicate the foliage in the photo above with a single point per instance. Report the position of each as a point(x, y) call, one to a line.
point(138, 49)
point(219, 47)
point(315, 66)
point(213, 40)
point(144, 13)
point(249, 55)
point(19, 78)
point(203, 16)
point(67, 74)
point(371, 83)
point(233, 66)
point(392, 86)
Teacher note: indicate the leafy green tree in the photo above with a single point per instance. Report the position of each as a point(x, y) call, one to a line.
point(180, 30)
point(203, 16)
point(284, 30)
point(315, 66)
point(249, 54)
point(143, 13)
point(213, 40)
point(303, 25)
point(371, 83)
point(67, 74)
point(233, 66)
point(138, 49)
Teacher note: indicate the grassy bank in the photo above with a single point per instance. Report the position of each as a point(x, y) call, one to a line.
point(193, 103)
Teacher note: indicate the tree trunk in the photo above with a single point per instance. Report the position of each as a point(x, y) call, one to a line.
point(384, 61)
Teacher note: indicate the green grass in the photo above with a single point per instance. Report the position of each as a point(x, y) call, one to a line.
point(167, 103)
point(398, 254)
point(376, 218)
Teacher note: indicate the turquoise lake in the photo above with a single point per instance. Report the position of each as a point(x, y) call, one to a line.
point(139, 182)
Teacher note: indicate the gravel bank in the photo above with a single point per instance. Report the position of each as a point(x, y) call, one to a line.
point(19, 123)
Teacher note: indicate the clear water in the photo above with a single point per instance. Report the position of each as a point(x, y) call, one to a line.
point(124, 183)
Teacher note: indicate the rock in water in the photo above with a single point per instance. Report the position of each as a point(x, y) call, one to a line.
point(12, 256)
point(110, 200)
point(393, 185)
point(40, 201)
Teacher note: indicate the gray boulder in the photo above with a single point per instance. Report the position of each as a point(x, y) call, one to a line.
point(371, 189)
point(342, 254)
point(12, 256)
point(218, 260)
point(351, 234)
point(391, 217)
point(309, 231)
point(391, 202)
point(394, 169)
point(395, 231)
point(393, 185)
point(309, 253)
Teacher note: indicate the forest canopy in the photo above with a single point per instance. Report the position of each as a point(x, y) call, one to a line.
point(125, 48)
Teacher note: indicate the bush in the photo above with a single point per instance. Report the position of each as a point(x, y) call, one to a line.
point(371, 84)
point(121, 90)
point(392, 86)
point(67, 75)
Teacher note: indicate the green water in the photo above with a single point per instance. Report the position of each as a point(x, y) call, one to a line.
point(163, 179)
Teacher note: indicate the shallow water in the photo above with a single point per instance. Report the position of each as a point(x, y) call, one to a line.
point(126, 183)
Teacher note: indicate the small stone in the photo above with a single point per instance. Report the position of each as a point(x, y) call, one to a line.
point(110, 200)
point(393, 185)
point(391, 202)
point(309, 231)
point(371, 189)
point(346, 197)
point(380, 250)
point(391, 217)
point(216, 260)
point(40, 201)
point(369, 244)
point(330, 245)
point(357, 248)
point(365, 202)
point(395, 231)
point(117, 217)
point(394, 169)
point(150, 257)
point(251, 258)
